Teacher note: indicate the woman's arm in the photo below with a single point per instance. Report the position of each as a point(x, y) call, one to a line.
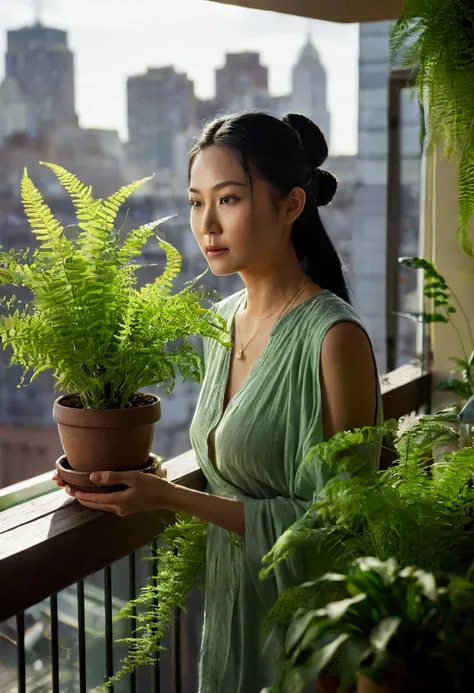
point(348, 379)
point(225, 512)
point(149, 492)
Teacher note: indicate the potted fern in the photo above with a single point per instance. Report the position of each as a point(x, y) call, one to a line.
point(103, 338)
point(393, 629)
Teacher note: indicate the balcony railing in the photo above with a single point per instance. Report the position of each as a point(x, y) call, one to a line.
point(48, 547)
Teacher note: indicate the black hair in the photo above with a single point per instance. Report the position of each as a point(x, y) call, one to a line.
point(288, 153)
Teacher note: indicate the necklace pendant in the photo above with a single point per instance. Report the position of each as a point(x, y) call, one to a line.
point(241, 355)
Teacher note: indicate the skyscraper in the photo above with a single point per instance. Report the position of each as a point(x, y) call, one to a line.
point(160, 104)
point(242, 77)
point(38, 59)
point(309, 88)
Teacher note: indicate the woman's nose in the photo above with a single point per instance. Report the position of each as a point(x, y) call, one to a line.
point(210, 223)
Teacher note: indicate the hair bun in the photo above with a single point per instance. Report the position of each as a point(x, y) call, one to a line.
point(313, 140)
point(316, 148)
point(326, 186)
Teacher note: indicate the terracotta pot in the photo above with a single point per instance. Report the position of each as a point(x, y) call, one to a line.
point(80, 481)
point(107, 439)
point(326, 684)
point(365, 685)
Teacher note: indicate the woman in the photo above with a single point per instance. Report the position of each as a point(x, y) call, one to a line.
point(301, 369)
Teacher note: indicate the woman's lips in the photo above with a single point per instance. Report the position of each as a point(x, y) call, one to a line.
point(214, 251)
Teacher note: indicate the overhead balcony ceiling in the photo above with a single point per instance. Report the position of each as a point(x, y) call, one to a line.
point(346, 11)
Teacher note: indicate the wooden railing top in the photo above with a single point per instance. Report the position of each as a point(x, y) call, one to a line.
point(405, 390)
point(53, 541)
point(346, 11)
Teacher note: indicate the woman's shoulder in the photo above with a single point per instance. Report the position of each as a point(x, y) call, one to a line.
point(326, 309)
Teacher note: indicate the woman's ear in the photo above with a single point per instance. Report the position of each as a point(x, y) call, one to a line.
point(294, 204)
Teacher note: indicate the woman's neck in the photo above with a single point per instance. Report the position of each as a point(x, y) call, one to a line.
point(270, 289)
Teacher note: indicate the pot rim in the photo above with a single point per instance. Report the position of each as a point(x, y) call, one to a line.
point(151, 465)
point(107, 418)
point(138, 392)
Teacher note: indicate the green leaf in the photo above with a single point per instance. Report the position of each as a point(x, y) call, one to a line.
point(6, 276)
point(471, 361)
point(461, 594)
point(384, 631)
point(370, 564)
point(459, 387)
point(319, 660)
point(462, 364)
point(112, 204)
point(298, 628)
point(336, 610)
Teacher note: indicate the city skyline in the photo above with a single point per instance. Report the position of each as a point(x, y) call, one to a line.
point(101, 91)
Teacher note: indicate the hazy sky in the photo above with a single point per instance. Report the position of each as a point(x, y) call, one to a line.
point(116, 38)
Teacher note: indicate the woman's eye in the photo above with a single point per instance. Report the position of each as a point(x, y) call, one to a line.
point(194, 203)
point(228, 200)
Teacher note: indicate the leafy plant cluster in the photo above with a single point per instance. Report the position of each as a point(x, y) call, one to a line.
point(445, 305)
point(391, 625)
point(419, 511)
point(87, 321)
point(437, 36)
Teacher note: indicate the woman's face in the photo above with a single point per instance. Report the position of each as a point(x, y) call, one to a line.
point(238, 229)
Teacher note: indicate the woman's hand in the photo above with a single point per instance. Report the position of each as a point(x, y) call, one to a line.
point(144, 492)
point(152, 492)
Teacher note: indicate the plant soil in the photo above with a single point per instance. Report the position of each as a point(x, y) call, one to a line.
point(139, 399)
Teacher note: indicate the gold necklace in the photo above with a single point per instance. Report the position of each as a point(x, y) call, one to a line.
point(294, 297)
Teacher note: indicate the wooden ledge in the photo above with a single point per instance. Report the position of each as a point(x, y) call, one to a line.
point(53, 541)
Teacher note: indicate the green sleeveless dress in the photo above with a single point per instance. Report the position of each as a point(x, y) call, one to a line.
point(260, 445)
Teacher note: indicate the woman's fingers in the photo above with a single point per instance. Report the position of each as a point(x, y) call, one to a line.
point(114, 478)
point(58, 481)
point(106, 499)
point(101, 507)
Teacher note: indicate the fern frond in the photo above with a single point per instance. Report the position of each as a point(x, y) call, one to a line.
point(173, 266)
point(81, 195)
point(466, 200)
point(136, 239)
point(44, 225)
point(111, 205)
point(180, 566)
point(349, 451)
point(438, 37)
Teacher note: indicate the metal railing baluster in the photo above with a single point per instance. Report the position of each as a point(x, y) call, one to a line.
point(53, 602)
point(109, 635)
point(20, 656)
point(81, 626)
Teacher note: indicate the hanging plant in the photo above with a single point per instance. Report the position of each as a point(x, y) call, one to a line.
point(437, 36)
